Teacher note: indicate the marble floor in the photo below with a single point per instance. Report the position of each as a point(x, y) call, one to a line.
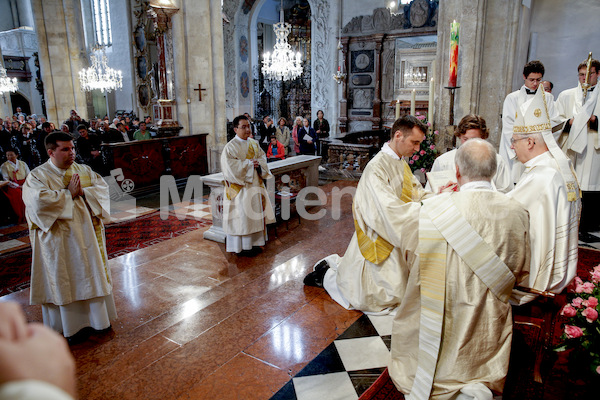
point(198, 323)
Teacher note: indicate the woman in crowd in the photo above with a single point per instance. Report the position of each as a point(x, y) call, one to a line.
point(25, 144)
point(283, 134)
point(308, 139)
point(296, 141)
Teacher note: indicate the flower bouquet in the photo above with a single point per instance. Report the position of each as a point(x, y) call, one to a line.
point(422, 161)
point(582, 330)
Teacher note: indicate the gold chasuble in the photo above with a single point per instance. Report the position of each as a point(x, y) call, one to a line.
point(69, 261)
point(246, 206)
point(453, 329)
point(372, 274)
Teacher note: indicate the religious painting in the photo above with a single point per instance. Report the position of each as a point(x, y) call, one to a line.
point(144, 95)
point(362, 61)
point(139, 36)
point(243, 49)
point(244, 85)
point(142, 67)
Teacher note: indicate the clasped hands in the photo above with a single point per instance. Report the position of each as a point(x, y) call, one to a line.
point(75, 186)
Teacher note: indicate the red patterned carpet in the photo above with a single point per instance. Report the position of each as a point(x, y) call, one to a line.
point(122, 238)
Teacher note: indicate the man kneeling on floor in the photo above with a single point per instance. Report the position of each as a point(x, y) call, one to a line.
point(452, 333)
point(372, 275)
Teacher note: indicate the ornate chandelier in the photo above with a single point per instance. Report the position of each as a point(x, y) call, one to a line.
point(99, 75)
point(7, 84)
point(283, 63)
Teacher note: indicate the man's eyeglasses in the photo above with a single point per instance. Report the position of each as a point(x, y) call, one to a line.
point(513, 140)
point(244, 126)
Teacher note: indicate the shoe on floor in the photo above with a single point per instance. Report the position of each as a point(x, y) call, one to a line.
point(316, 277)
point(588, 237)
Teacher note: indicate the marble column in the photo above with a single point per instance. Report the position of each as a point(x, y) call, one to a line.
point(377, 98)
point(62, 54)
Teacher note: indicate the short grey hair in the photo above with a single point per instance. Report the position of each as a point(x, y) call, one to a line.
point(476, 160)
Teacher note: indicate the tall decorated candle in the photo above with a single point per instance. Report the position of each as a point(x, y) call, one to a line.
point(453, 53)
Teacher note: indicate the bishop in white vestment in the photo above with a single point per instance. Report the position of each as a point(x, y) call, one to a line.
point(66, 203)
point(246, 206)
point(548, 190)
point(533, 72)
point(372, 274)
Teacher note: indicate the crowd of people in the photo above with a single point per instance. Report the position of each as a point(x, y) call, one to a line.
point(22, 148)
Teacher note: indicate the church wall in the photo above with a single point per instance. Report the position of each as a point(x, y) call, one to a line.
point(563, 33)
point(62, 55)
point(356, 8)
point(198, 55)
point(120, 55)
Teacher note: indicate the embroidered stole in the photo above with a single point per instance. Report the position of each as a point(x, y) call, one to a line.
point(86, 181)
point(233, 189)
point(441, 224)
point(378, 250)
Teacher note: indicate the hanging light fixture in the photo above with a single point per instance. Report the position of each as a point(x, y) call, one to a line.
point(100, 76)
point(7, 84)
point(283, 64)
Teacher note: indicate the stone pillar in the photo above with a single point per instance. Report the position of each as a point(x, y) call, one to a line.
point(490, 50)
point(343, 120)
point(377, 96)
point(62, 54)
point(198, 42)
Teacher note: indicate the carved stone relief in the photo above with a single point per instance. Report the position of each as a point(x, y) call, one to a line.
point(381, 21)
point(322, 35)
point(362, 98)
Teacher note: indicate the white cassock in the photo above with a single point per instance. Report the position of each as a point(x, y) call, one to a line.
point(554, 222)
point(581, 144)
point(474, 326)
point(246, 206)
point(70, 277)
point(30, 389)
point(512, 103)
point(372, 275)
point(501, 181)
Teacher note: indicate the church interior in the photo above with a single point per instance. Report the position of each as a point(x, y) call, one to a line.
point(197, 322)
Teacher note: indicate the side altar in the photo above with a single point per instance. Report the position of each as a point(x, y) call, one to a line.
point(294, 173)
point(144, 162)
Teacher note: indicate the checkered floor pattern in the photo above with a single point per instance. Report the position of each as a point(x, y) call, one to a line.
point(348, 366)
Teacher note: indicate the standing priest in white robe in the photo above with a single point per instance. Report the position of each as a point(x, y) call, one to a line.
point(533, 72)
point(372, 275)
point(246, 206)
point(474, 126)
point(581, 143)
point(65, 205)
point(548, 189)
point(453, 330)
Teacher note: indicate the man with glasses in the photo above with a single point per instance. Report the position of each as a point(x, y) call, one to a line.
point(246, 206)
point(581, 143)
point(548, 190)
point(533, 72)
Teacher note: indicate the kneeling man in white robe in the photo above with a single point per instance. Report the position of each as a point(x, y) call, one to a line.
point(372, 275)
point(65, 204)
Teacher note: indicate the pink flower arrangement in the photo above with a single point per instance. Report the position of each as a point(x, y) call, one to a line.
point(422, 152)
point(432, 147)
point(582, 330)
point(423, 158)
point(415, 157)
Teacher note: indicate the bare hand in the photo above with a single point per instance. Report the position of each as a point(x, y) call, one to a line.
point(43, 355)
point(256, 163)
point(13, 325)
point(95, 153)
point(593, 118)
point(571, 121)
point(449, 187)
point(75, 186)
point(309, 141)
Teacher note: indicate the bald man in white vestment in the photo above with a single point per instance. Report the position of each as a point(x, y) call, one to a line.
point(65, 205)
point(246, 206)
point(548, 189)
point(452, 332)
point(372, 274)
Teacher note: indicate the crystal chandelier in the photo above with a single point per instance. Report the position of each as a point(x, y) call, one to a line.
point(283, 63)
point(7, 84)
point(99, 75)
